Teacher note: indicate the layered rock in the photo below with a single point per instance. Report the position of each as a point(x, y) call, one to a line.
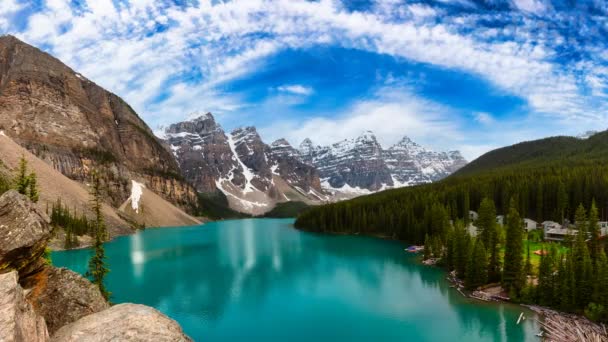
point(18, 320)
point(63, 297)
point(253, 175)
point(123, 322)
point(75, 125)
point(24, 234)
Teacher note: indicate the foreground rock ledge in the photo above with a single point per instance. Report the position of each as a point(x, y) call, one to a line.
point(18, 321)
point(63, 297)
point(123, 322)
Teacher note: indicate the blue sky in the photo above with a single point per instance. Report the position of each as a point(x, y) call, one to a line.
point(451, 74)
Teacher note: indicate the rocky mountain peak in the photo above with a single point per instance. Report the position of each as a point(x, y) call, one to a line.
point(197, 124)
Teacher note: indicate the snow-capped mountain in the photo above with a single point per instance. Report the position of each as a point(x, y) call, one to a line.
point(253, 176)
point(361, 165)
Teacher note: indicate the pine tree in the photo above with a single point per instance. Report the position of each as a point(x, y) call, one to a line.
point(581, 261)
point(528, 267)
point(600, 289)
point(546, 286)
point(462, 242)
point(22, 179)
point(513, 271)
point(477, 269)
point(33, 193)
point(97, 265)
point(486, 221)
point(594, 233)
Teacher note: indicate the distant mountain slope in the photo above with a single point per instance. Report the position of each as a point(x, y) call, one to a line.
point(74, 125)
point(548, 151)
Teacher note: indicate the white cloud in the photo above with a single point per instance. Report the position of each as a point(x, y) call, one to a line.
point(532, 6)
point(391, 114)
point(117, 47)
point(297, 89)
point(483, 118)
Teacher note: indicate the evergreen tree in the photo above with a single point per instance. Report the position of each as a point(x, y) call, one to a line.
point(513, 271)
point(477, 269)
point(528, 267)
point(33, 193)
point(581, 261)
point(488, 233)
point(97, 265)
point(461, 249)
point(486, 221)
point(546, 286)
point(600, 289)
point(22, 179)
point(594, 232)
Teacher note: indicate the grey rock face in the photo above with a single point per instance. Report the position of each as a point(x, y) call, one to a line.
point(18, 320)
point(412, 164)
point(62, 296)
point(123, 322)
point(208, 156)
point(363, 163)
point(24, 234)
point(356, 162)
point(74, 125)
point(203, 152)
point(288, 163)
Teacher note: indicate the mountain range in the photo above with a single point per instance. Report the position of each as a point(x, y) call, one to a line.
point(256, 176)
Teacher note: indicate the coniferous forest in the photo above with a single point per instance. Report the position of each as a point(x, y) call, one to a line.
point(553, 179)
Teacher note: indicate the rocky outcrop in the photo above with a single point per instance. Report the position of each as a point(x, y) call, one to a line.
point(75, 125)
point(24, 234)
point(34, 294)
point(252, 175)
point(18, 320)
point(62, 296)
point(123, 322)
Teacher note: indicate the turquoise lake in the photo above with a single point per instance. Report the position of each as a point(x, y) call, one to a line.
point(262, 280)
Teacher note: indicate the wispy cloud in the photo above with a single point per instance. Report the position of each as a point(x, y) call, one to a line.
point(169, 60)
point(297, 89)
point(483, 118)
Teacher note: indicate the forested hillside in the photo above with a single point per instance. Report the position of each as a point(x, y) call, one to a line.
point(548, 178)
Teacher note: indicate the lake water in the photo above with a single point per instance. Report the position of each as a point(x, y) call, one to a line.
point(262, 280)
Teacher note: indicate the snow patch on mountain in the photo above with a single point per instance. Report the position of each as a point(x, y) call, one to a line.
point(137, 190)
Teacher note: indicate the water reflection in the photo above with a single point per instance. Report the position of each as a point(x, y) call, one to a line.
point(254, 279)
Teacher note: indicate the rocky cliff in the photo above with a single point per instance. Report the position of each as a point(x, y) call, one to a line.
point(41, 303)
point(253, 175)
point(75, 125)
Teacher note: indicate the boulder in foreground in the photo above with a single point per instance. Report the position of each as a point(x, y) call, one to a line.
point(63, 297)
point(123, 322)
point(18, 321)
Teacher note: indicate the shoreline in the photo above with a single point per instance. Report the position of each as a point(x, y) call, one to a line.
point(555, 325)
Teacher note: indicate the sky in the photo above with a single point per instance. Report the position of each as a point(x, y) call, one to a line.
point(468, 75)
